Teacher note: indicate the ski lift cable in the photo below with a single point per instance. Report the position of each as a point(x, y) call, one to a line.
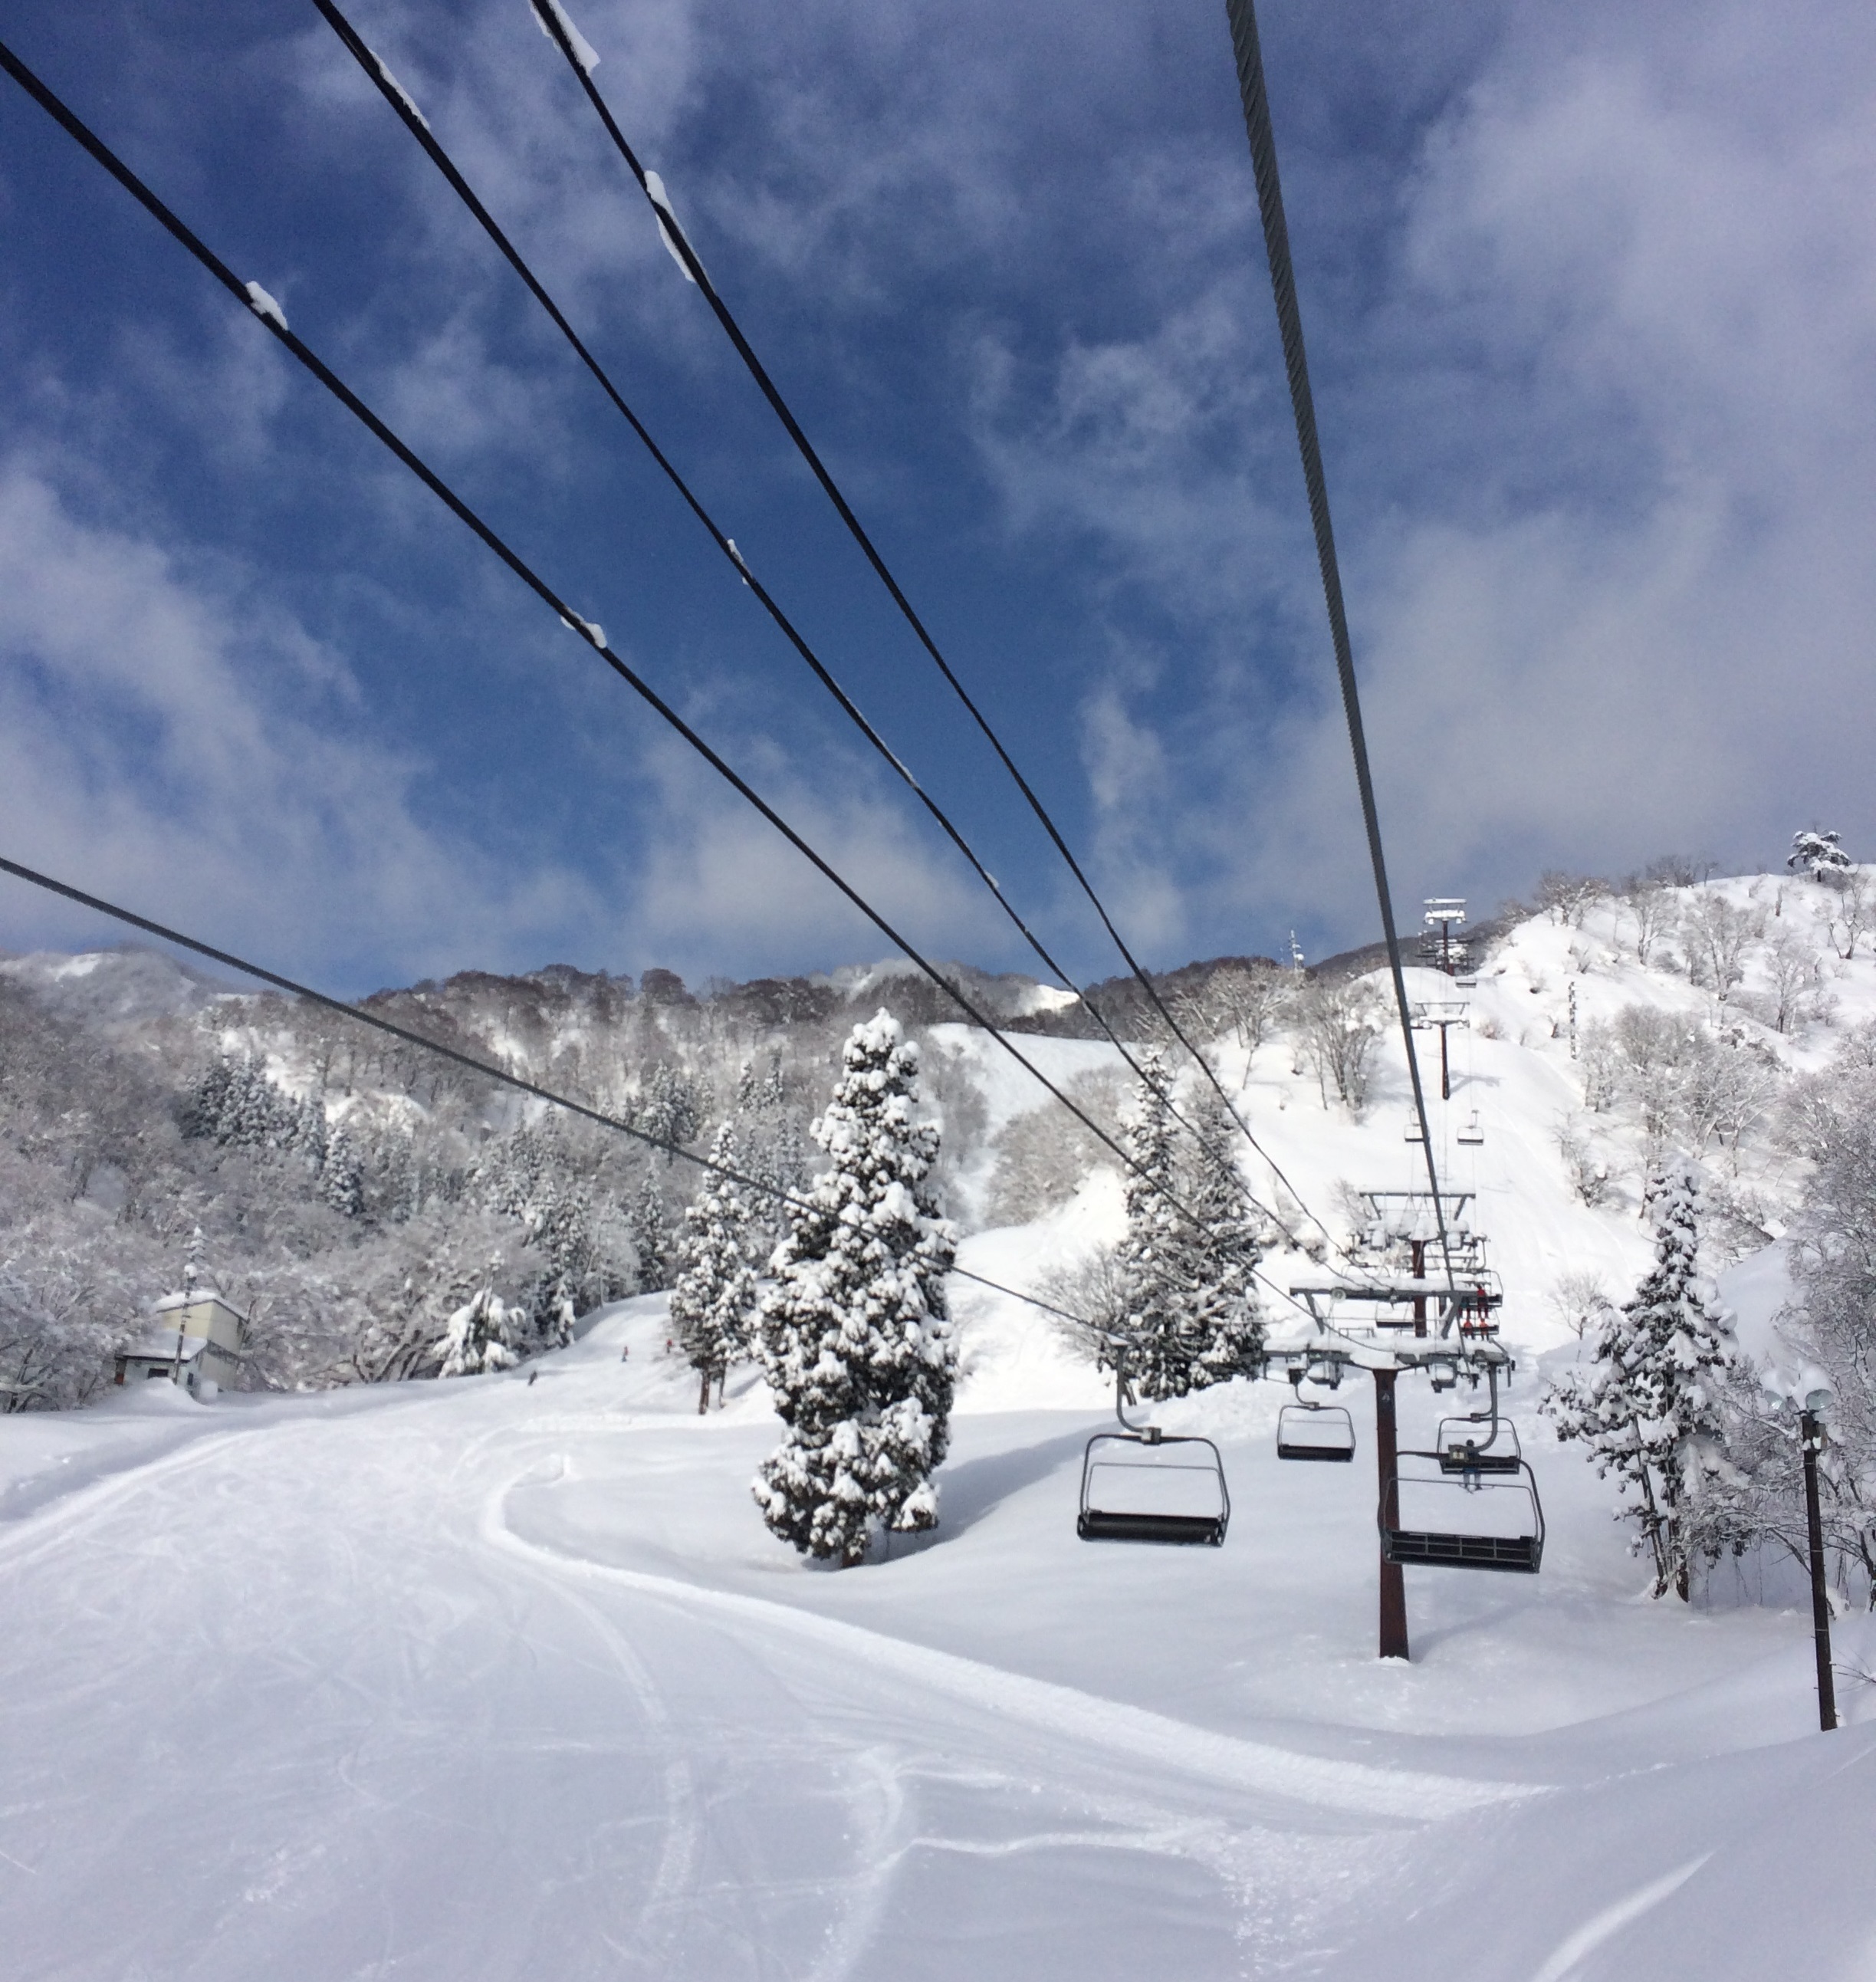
point(401, 102)
point(262, 305)
point(1243, 22)
point(581, 59)
point(487, 1069)
point(503, 1076)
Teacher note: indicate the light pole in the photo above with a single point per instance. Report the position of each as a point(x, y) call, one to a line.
point(1811, 1433)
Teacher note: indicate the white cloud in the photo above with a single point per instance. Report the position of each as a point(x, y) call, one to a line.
point(716, 881)
point(1601, 424)
point(170, 740)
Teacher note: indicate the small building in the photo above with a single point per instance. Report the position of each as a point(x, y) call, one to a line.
point(197, 1330)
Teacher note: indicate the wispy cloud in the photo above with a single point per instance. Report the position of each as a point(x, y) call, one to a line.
point(172, 739)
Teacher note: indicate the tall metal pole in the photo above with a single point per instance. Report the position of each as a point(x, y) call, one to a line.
point(1811, 1434)
point(1393, 1587)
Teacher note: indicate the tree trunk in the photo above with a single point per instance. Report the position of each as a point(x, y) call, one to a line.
point(704, 1395)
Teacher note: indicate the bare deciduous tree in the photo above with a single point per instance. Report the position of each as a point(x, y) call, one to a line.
point(1339, 1024)
point(1587, 1172)
point(1568, 898)
point(1652, 912)
point(1717, 936)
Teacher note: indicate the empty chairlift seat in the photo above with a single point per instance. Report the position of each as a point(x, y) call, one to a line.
point(1435, 1517)
point(1315, 1431)
point(1477, 1445)
point(1143, 1486)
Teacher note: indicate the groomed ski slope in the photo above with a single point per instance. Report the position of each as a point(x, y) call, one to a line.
point(489, 1679)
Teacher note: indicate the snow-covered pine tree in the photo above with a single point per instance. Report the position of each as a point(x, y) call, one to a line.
point(855, 1336)
point(479, 1335)
point(1191, 1317)
point(1153, 1252)
point(649, 1238)
point(341, 1175)
point(714, 1298)
point(1224, 1315)
point(1649, 1409)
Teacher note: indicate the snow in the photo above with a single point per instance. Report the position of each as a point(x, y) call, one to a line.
point(669, 232)
point(124, 985)
point(398, 90)
point(1046, 998)
point(583, 48)
point(483, 1679)
point(264, 306)
point(588, 630)
point(491, 1678)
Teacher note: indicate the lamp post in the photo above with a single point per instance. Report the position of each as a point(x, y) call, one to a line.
point(191, 1266)
point(1811, 1433)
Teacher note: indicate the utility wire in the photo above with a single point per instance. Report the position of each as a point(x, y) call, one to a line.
point(504, 1075)
point(256, 299)
point(414, 121)
point(1243, 19)
point(485, 1068)
point(559, 29)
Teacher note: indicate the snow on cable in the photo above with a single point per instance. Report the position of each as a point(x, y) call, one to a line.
point(396, 88)
point(669, 232)
point(590, 629)
point(583, 51)
point(264, 306)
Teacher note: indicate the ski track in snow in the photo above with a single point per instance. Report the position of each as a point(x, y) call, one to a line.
point(475, 1682)
point(1592, 1934)
point(1349, 1787)
point(362, 1664)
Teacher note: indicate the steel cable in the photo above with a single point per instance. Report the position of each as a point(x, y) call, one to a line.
point(1242, 17)
point(505, 1076)
point(399, 99)
point(263, 307)
point(558, 28)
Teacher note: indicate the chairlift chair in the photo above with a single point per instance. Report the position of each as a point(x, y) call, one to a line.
point(1140, 1484)
point(1315, 1431)
point(1434, 1518)
point(1483, 1441)
point(1309, 1430)
point(1484, 1444)
point(1471, 1132)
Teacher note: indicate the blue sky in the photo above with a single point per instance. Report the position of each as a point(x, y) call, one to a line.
point(1589, 299)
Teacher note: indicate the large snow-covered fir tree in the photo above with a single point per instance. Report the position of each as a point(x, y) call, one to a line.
point(1222, 1299)
point(854, 1336)
point(714, 1298)
point(1186, 1258)
point(649, 1239)
point(1650, 1408)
